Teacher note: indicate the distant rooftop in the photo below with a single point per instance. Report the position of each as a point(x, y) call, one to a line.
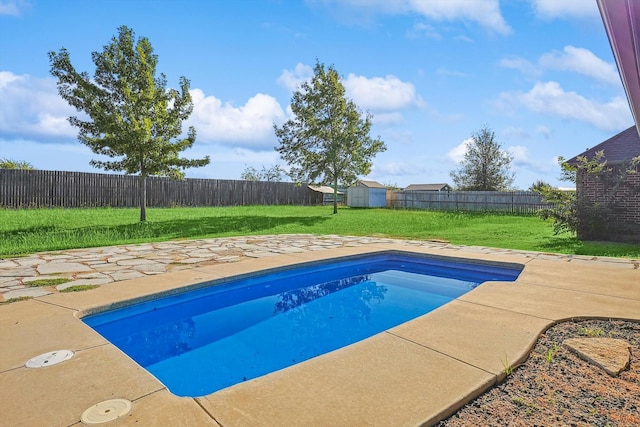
point(428, 187)
point(372, 184)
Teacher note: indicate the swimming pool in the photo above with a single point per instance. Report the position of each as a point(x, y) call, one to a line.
point(204, 340)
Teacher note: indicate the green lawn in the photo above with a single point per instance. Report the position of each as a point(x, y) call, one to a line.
point(35, 230)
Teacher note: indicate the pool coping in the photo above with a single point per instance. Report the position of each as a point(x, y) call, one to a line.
point(414, 374)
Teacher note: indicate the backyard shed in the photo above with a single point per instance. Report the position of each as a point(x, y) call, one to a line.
point(327, 193)
point(367, 194)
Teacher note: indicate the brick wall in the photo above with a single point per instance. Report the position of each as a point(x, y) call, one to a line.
point(614, 202)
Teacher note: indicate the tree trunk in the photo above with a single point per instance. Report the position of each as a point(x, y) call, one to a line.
point(142, 183)
point(335, 196)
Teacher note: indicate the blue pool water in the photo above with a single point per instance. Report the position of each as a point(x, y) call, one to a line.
point(204, 340)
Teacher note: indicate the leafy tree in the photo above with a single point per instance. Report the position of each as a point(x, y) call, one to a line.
point(391, 186)
point(15, 164)
point(539, 186)
point(486, 166)
point(327, 141)
point(272, 174)
point(131, 116)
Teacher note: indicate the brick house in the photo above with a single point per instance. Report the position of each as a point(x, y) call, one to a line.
point(614, 197)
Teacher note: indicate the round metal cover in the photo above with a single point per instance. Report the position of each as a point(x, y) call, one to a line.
point(50, 358)
point(106, 411)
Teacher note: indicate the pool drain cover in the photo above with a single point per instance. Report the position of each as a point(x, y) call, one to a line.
point(48, 359)
point(106, 411)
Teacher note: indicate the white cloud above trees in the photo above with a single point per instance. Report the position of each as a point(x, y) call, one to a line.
point(32, 107)
point(549, 98)
point(249, 125)
point(381, 93)
point(385, 97)
point(13, 7)
point(550, 9)
point(485, 13)
point(581, 61)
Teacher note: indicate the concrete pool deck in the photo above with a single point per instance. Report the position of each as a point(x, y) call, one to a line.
point(414, 374)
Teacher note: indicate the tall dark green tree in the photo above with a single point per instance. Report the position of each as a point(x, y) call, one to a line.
point(327, 141)
point(486, 166)
point(129, 115)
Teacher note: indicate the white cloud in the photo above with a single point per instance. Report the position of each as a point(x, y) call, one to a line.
point(456, 154)
point(381, 94)
point(6, 78)
point(522, 65)
point(250, 125)
point(32, 107)
point(292, 79)
point(574, 59)
point(484, 12)
point(544, 131)
point(565, 8)
point(549, 98)
point(385, 97)
point(12, 8)
point(520, 155)
point(582, 61)
point(422, 29)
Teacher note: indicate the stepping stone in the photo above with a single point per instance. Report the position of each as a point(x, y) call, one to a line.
point(26, 292)
point(8, 264)
point(62, 267)
point(612, 355)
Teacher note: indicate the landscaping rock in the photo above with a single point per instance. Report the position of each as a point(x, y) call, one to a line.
point(612, 355)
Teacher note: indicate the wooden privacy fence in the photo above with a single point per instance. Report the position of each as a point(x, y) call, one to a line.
point(38, 188)
point(520, 202)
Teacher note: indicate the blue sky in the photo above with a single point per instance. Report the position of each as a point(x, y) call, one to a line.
point(539, 73)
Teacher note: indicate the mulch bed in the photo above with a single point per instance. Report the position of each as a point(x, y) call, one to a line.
point(554, 387)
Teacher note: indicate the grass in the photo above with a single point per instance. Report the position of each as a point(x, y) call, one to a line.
point(508, 369)
point(47, 282)
point(16, 299)
point(551, 353)
point(27, 231)
point(591, 332)
point(80, 288)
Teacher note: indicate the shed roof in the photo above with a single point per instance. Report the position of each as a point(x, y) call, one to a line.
point(372, 184)
point(325, 189)
point(427, 187)
point(617, 149)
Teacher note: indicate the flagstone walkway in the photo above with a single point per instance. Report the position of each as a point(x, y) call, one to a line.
point(98, 266)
